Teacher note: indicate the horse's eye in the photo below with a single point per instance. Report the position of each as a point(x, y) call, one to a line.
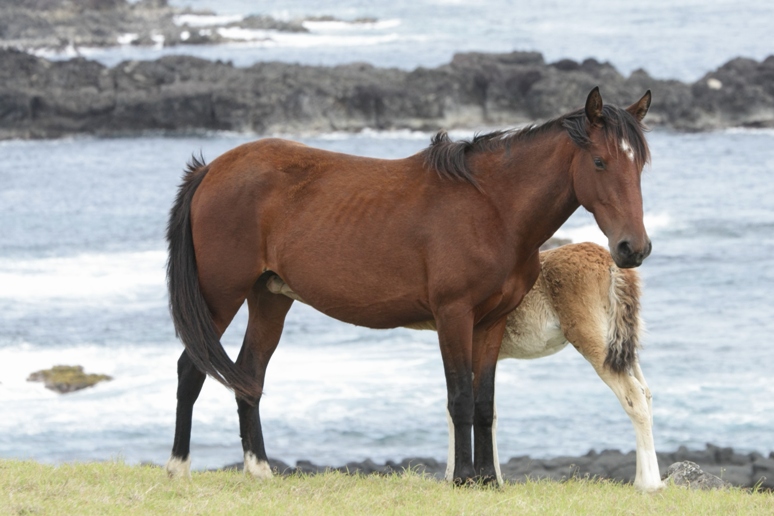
point(599, 163)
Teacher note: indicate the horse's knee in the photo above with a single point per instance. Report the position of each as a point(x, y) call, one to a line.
point(461, 408)
point(484, 413)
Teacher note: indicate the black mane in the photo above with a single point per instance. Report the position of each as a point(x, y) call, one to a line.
point(449, 158)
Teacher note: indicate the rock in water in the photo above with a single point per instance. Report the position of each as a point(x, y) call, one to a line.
point(689, 474)
point(64, 379)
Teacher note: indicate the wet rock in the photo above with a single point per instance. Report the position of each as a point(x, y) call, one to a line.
point(763, 473)
point(57, 24)
point(64, 379)
point(689, 474)
point(48, 99)
point(714, 466)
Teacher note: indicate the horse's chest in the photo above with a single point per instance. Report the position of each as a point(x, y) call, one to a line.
point(533, 330)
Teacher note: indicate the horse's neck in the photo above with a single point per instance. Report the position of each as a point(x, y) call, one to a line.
point(531, 183)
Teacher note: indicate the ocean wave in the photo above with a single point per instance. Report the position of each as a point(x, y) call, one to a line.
point(654, 222)
point(767, 131)
point(341, 25)
point(267, 38)
point(89, 278)
point(206, 20)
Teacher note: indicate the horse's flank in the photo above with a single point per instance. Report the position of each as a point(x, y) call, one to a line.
point(581, 297)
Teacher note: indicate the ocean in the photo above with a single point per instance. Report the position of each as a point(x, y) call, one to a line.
point(82, 257)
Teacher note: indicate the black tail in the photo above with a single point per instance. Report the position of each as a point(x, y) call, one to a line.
point(189, 310)
point(624, 324)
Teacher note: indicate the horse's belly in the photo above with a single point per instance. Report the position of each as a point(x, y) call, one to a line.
point(351, 306)
point(532, 331)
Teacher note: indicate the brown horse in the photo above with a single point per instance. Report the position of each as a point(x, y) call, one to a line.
point(581, 297)
point(450, 235)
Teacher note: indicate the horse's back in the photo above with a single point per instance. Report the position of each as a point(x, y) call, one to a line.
point(570, 301)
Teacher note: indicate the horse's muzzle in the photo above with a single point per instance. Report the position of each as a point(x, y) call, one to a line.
point(627, 257)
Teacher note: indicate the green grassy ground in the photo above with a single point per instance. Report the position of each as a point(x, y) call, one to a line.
point(116, 488)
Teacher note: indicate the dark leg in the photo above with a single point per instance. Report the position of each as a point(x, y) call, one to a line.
point(264, 329)
point(486, 348)
point(455, 339)
point(189, 385)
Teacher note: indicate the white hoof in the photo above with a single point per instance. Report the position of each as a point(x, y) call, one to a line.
point(178, 468)
point(259, 469)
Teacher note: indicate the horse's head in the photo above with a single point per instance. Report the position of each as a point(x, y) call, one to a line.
point(606, 173)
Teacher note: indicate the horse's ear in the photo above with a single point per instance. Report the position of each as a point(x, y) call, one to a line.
point(594, 107)
point(640, 108)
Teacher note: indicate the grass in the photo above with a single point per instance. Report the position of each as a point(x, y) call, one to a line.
point(116, 488)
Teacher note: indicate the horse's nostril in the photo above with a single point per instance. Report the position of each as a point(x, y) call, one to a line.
point(649, 249)
point(624, 249)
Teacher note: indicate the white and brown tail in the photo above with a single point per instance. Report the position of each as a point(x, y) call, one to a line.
point(625, 324)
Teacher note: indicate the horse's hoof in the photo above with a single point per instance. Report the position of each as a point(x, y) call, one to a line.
point(488, 481)
point(179, 468)
point(256, 468)
point(465, 482)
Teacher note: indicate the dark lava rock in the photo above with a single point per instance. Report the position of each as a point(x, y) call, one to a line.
point(763, 473)
point(689, 474)
point(64, 379)
point(57, 24)
point(47, 99)
point(712, 467)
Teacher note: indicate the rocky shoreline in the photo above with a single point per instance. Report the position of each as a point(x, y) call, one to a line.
point(737, 469)
point(58, 25)
point(40, 98)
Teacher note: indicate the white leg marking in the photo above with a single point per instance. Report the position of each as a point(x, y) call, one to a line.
point(494, 445)
point(178, 468)
point(259, 469)
point(450, 456)
point(631, 395)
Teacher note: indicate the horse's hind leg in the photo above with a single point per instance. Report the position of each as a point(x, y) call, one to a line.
point(264, 329)
point(189, 385)
point(641, 378)
point(634, 399)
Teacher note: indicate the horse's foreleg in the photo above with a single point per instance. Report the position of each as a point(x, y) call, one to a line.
point(486, 348)
point(264, 329)
point(634, 400)
point(455, 332)
point(189, 385)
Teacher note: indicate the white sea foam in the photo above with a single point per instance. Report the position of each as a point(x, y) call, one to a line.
point(654, 222)
point(340, 25)
point(266, 38)
point(85, 277)
point(767, 131)
point(206, 20)
point(125, 39)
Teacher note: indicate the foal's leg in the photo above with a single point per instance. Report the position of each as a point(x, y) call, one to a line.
point(455, 336)
point(264, 329)
point(634, 400)
point(189, 385)
point(486, 348)
point(641, 378)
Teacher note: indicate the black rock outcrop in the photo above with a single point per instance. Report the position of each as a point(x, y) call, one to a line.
point(47, 99)
point(736, 469)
